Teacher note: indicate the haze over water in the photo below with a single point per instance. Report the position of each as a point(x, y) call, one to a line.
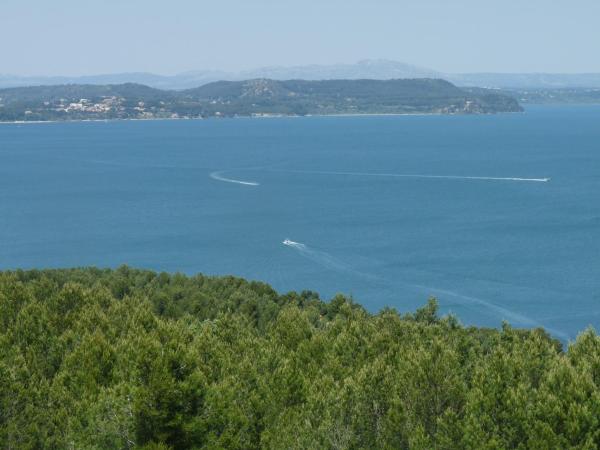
point(388, 209)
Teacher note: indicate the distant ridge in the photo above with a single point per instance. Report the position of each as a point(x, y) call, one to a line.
point(378, 69)
point(366, 69)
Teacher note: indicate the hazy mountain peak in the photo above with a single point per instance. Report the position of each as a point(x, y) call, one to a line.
point(377, 69)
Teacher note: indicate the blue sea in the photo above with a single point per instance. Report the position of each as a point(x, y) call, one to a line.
point(388, 209)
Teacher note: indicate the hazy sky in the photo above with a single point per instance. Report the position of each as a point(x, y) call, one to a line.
point(74, 37)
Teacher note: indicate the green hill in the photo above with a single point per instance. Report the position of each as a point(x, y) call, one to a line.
point(248, 98)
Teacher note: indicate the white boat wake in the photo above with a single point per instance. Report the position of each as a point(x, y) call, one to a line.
point(409, 175)
point(322, 258)
point(293, 244)
point(325, 259)
point(219, 177)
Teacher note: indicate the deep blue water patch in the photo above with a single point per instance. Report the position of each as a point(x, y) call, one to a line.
point(141, 193)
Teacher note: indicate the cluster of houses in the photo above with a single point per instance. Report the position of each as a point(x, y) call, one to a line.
point(84, 105)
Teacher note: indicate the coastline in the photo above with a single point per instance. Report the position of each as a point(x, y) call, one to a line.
point(274, 116)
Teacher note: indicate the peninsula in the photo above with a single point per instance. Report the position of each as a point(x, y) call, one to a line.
point(258, 97)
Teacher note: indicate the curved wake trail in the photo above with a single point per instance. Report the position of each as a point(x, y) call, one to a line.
point(219, 177)
point(409, 175)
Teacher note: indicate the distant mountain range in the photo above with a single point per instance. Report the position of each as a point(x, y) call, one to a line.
point(256, 97)
point(367, 69)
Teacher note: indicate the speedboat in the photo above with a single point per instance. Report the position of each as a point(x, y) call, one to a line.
point(288, 242)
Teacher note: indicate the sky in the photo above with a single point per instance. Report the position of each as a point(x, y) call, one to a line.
point(84, 37)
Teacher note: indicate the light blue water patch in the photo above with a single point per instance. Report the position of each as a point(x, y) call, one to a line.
point(497, 216)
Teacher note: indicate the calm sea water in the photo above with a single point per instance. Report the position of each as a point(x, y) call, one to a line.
point(163, 195)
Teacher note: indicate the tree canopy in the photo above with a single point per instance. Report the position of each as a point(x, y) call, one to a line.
point(120, 359)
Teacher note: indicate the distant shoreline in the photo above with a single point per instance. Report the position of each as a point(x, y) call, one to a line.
point(282, 116)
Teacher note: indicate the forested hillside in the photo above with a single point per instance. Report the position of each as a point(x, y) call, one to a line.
point(249, 98)
point(102, 359)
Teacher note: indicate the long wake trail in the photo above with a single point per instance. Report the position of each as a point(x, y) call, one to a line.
point(411, 175)
point(330, 262)
point(219, 177)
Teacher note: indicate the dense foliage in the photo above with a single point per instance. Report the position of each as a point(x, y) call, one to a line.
point(102, 359)
point(246, 98)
